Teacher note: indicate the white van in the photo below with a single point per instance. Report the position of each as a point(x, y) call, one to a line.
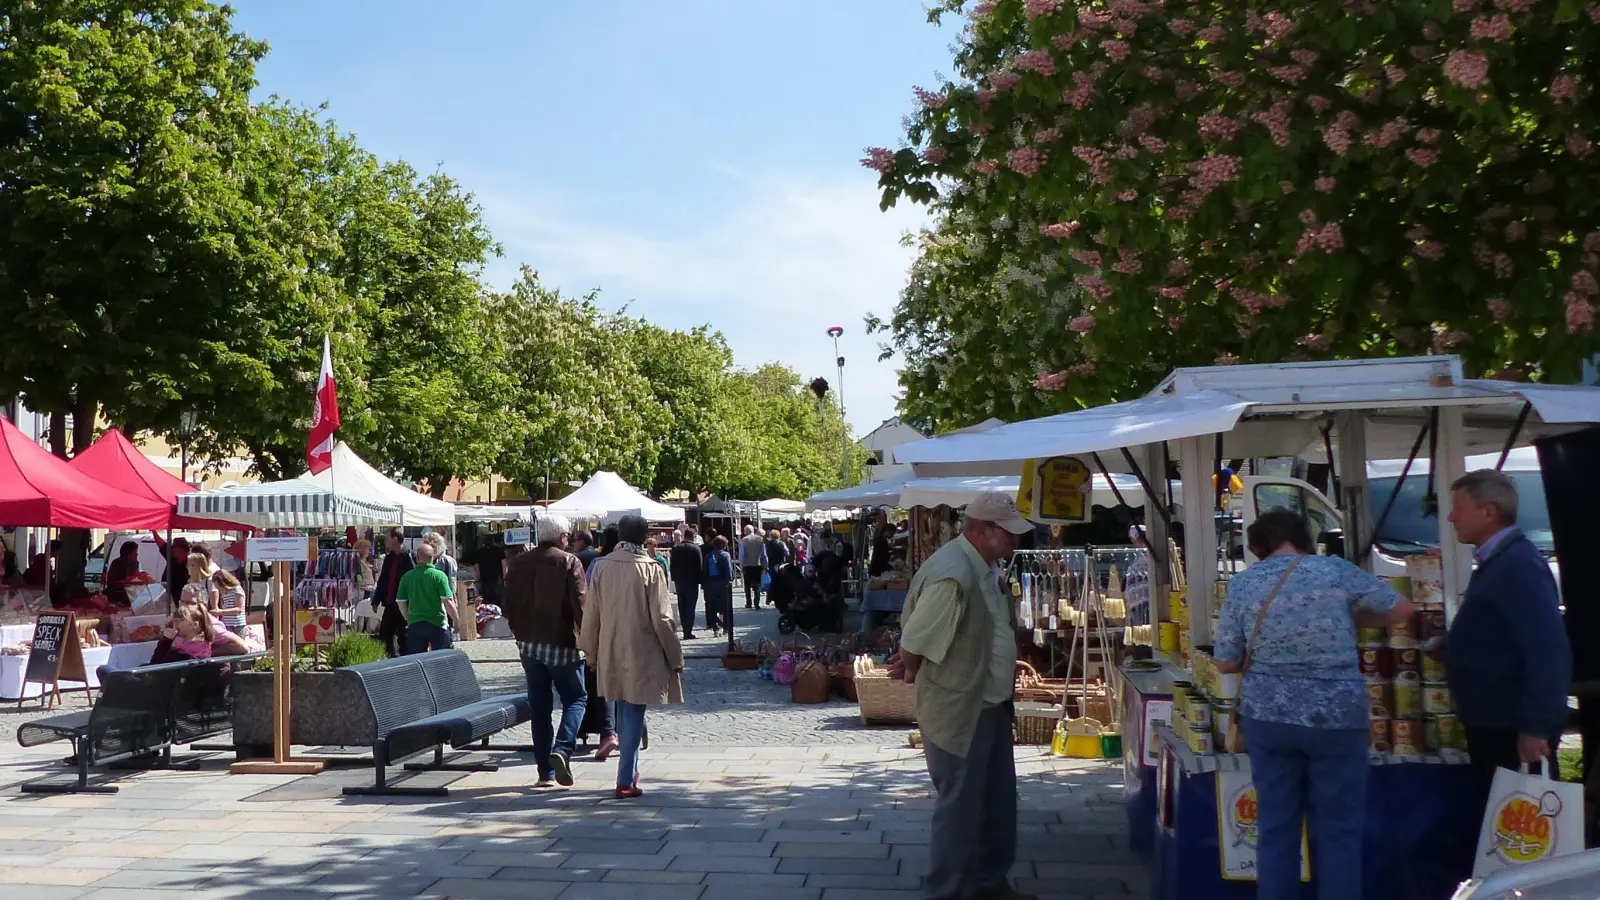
point(1408, 529)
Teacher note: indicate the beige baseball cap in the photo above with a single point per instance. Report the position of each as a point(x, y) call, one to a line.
point(1000, 508)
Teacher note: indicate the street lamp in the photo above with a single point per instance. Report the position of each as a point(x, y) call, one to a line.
point(188, 421)
point(844, 430)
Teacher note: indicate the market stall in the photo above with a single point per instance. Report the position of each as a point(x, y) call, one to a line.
point(1342, 413)
point(605, 497)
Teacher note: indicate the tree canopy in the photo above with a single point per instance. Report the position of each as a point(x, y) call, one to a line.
point(1124, 186)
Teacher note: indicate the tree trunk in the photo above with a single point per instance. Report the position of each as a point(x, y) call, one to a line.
point(437, 486)
point(84, 413)
point(58, 433)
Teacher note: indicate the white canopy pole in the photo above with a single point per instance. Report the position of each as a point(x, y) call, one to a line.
point(1355, 500)
point(1153, 461)
point(1450, 465)
point(1199, 533)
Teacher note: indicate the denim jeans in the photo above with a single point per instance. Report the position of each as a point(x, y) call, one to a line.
point(424, 636)
point(630, 731)
point(1318, 775)
point(568, 682)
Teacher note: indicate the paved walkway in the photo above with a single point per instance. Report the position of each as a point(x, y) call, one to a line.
point(836, 823)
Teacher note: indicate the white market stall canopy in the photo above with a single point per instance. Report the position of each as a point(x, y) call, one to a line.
point(470, 512)
point(350, 476)
point(956, 492)
point(1272, 410)
point(873, 493)
point(606, 495)
point(287, 504)
point(777, 506)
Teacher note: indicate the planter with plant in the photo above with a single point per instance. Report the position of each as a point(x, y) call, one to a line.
point(327, 710)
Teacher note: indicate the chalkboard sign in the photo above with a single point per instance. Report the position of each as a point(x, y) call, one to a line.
point(55, 654)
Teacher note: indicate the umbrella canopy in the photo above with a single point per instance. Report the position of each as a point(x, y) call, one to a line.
point(114, 460)
point(350, 476)
point(605, 494)
point(286, 504)
point(39, 490)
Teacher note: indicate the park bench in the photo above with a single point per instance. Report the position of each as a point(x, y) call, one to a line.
point(141, 713)
point(425, 701)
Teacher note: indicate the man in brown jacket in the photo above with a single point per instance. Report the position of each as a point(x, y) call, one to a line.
point(544, 605)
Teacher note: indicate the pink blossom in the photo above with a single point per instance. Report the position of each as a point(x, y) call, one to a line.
point(1090, 258)
point(1128, 196)
point(1422, 157)
point(986, 166)
point(1212, 34)
point(1491, 28)
point(935, 155)
point(1229, 78)
point(1174, 322)
point(1516, 6)
point(1125, 27)
point(1003, 80)
point(1337, 139)
point(1090, 19)
point(930, 99)
point(1291, 74)
point(1462, 6)
point(1063, 41)
point(1315, 342)
point(1152, 144)
point(1180, 214)
point(1278, 26)
point(1185, 91)
point(984, 96)
point(1277, 121)
point(1035, 9)
point(1428, 135)
point(1155, 73)
point(1096, 286)
point(1431, 30)
point(982, 9)
point(1499, 308)
point(879, 159)
point(1327, 237)
point(1117, 50)
point(1172, 292)
point(1318, 103)
point(1213, 172)
point(1584, 283)
point(1307, 58)
point(1580, 315)
point(1422, 52)
point(1218, 127)
point(1324, 184)
point(1177, 269)
point(1503, 266)
point(1181, 27)
point(1591, 242)
point(1047, 136)
point(1429, 250)
point(1308, 217)
point(1467, 68)
point(1083, 368)
point(1226, 359)
point(1578, 145)
point(1050, 381)
point(1395, 74)
point(1060, 229)
point(1025, 161)
point(1286, 186)
point(1392, 130)
point(1594, 13)
point(981, 129)
point(1081, 94)
point(1562, 87)
point(1127, 262)
point(1039, 61)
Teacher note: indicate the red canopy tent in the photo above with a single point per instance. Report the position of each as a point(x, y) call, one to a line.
point(114, 460)
point(39, 490)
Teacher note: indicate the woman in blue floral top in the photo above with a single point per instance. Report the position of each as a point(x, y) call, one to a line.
point(1303, 702)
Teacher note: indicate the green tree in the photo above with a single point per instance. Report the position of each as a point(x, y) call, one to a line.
point(1218, 182)
point(118, 206)
point(786, 442)
point(687, 372)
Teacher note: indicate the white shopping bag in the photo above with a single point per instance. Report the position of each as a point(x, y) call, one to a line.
point(1530, 817)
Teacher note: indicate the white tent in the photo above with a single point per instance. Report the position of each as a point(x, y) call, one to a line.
point(350, 476)
point(956, 492)
point(778, 506)
point(606, 495)
point(874, 493)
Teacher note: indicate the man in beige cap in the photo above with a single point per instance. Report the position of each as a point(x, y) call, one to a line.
point(959, 648)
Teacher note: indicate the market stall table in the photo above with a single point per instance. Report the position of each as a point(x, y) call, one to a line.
point(1420, 834)
point(875, 604)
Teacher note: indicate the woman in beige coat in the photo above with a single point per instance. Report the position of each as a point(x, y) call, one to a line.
point(630, 636)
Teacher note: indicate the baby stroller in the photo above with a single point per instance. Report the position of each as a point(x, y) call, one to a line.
point(802, 603)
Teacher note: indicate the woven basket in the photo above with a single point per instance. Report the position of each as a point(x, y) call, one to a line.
point(741, 660)
point(811, 683)
point(842, 676)
point(1035, 723)
point(884, 700)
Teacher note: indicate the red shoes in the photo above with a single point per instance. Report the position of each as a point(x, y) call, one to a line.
point(608, 746)
point(629, 793)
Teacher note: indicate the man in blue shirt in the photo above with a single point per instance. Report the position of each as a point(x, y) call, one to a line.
point(1510, 665)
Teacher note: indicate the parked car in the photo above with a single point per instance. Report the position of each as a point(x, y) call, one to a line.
point(1574, 877)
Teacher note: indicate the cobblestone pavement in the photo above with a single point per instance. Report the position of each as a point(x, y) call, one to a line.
point(807, 823)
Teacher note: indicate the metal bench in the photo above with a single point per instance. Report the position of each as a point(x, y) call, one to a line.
point(426, 701)
point(140, 713)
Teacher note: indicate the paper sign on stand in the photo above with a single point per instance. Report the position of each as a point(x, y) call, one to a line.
point(281, 549)
point(518, 536)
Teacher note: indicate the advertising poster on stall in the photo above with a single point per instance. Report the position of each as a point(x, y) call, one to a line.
point(1237, 828)
point(1156, 712)
point(1055, 491)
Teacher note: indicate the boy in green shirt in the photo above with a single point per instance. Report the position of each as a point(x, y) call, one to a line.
point(427, 603)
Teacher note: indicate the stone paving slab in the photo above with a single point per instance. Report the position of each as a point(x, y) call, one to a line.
point(800, 831)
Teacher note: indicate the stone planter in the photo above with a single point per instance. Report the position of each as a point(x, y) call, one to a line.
point(328, 709)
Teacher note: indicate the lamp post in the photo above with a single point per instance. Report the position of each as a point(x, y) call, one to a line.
point(188, 421)
point(844, 430)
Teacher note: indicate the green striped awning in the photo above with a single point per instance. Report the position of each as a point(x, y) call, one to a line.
point(286, 504)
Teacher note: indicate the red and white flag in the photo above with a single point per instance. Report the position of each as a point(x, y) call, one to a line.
point(325, 418)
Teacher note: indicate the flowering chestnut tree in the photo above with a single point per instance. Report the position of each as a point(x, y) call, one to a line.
point(1127, 185)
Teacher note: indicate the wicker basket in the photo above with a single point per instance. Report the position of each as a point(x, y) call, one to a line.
point(884, 700)
point(741, 660)
point(1035, 723)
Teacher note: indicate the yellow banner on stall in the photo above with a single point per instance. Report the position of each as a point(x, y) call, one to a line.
point(1055, 491)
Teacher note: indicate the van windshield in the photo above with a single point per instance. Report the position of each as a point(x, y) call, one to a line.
point(1410, 529)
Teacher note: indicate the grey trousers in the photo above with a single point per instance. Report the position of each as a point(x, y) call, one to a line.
point(974, 842)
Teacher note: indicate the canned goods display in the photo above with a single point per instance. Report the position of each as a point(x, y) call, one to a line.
point(1407, 699)
point(1436, 700)
point(1407, 661)
point(1221, 720)
point(1199, 714)
point(1403, 633)
point(1227, 686)
point(1371, 637)
point(1447, 733)
point(1377, 662)
point(1379, 736)
point(1200, 743)
point(1406, 737)
point(1430, 624)
point(1401, 585)
point(1380, 698)
point(1180, 699)
point(1433, 668)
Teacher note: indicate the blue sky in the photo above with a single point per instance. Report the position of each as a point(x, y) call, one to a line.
point(694, 159)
